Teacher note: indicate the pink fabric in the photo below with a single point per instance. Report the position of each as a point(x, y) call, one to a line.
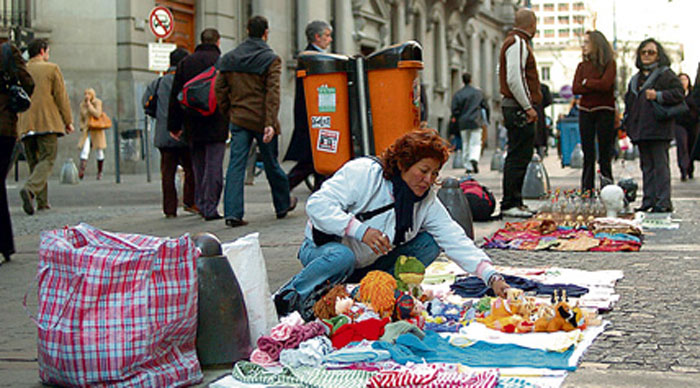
point(483, 266)
point(433, 379)
point(293, 319)
point(270, 346)
point(261, 358)
point(281, 332)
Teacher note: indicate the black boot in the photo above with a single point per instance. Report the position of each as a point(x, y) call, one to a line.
point(100, 165)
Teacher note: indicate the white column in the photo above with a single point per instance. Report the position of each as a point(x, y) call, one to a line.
point(342, 35)
point(487, 84)
point(475, 55)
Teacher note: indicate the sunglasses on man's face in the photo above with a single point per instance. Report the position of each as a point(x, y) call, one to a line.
point(648, 52)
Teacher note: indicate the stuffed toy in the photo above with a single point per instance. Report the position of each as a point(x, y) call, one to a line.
point(409, 273)
point(325, 308)
point(561, 316)
point(409, 309)
point(377, 290)
point(510, 315)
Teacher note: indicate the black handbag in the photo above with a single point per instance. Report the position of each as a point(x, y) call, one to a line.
point(667, 112)
point(19, 99)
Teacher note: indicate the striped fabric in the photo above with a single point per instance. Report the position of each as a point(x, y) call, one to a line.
point(116, 309)
point(305, 377)
point(433, 379)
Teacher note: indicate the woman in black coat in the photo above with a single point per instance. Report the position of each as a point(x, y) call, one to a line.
point(655, 83)
point(686, 130)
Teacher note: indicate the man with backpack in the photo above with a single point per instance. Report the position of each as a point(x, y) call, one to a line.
point(248, 93)
point(467, 106)
point(172, 152)
point(206, 134)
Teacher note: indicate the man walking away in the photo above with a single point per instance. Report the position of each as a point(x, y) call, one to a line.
point(318, 35)
point(48, 118)
point(248, 93)
point(206, 135)
point(520, 90)
point(172, 152)
point(467, 104)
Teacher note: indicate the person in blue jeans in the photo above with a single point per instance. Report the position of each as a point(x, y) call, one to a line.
point(373, 210)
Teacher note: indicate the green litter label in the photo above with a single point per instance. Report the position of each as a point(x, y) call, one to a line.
point(326, 99)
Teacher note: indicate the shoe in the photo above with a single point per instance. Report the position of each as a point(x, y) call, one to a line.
point(100, 165)
point(234, 222)
point(517, 211)
point(475, 166)
point(292, 205)
point(43, 207)
point(171, 216)
point(191, 209)
point(27, 201)
point(643, 208)
point(285, 301)
point(683, 178)
point(657, 209)
point(215, 216)
point(6, 255)
point(690, 175)
point(81, 168)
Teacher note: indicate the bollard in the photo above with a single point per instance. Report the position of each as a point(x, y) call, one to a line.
point(577, 157)
point(223, 336)
point(457, 161)
point(536, 182)
point(452, 197)
point(502, 160)
point(69, 173)
point(496, 162)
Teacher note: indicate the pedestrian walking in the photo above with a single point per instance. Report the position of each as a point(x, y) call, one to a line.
point(48, 118)
point(318, 36)
point(467, 105)
point(8, 136)
point(595, 82)
point(248, 94)
point(686, 130)
point(655, 83)
point(520, 92)
point(92, 136)
point(206, 135)
point(173, 153)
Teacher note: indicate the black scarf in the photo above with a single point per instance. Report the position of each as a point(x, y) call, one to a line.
point(404, 199)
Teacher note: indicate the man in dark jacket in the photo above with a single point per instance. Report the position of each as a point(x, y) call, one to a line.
point(206, 134)
point(248, 94)
point(318, 35)
point(8, 138)
point(172, 152)
point(467, 104)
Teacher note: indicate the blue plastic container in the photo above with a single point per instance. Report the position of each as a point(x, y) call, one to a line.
point(568, 138)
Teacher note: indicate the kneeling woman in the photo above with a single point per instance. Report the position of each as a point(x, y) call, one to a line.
point(374, 210)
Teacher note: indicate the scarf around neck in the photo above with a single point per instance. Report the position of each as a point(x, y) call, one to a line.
point(404, 199)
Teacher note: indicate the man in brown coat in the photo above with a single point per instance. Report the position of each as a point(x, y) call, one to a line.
point(248, 93)
point(47, 119)
point(8, 137)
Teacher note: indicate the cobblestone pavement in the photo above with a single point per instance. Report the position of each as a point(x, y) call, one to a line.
point(652, 340)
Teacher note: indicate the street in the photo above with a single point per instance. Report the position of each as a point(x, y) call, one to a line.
point(652, 341)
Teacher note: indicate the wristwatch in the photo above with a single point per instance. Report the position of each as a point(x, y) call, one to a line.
point(495, 277)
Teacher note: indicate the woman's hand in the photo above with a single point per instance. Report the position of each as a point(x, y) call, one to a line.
point(499, 287)
point(651, 94)
point(377, 240)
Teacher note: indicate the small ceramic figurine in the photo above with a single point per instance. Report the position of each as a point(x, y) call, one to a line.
point(613, 197)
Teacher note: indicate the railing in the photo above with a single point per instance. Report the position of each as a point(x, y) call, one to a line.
point(14, 17)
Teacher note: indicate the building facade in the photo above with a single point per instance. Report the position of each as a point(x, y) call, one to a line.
point(103, 44)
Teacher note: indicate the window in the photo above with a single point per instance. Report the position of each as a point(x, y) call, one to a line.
point(563, 7)
point(564, 33)
point(549, 7)
point(578, 32)
point(549, 20)
point(537, 34)
point(563, 20)
point(579, 19)
point(535, 7)
point(549, 33)
point(545, 73)
point(578, 6)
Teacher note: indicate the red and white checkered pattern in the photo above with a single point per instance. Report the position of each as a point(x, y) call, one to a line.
point(116, 309)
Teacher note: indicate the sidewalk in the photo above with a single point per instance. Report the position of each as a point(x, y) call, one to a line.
point(652, 340)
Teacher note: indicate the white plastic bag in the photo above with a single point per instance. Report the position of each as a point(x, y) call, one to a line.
point(246, 258)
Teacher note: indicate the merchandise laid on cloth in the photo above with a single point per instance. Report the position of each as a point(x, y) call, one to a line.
point(597, 235)
point(533, 337)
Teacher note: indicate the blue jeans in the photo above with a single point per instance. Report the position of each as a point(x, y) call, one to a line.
point(241, 139)
point(335, 263)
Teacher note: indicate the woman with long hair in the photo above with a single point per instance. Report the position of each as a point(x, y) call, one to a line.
point(370, 212)
point(595, 82)
point(91, 106)
point(655, 83)
point(686, 130)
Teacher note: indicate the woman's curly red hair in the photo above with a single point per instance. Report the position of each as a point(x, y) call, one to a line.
point(411, 148)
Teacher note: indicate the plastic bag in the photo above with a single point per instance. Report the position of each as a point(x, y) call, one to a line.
point(248, 263)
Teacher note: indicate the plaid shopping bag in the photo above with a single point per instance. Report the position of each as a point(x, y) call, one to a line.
point(116, 309)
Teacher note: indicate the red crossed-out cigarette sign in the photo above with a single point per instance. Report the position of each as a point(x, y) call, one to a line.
point(160, 20)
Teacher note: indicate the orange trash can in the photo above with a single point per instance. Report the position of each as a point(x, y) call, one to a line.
point(325, 78)
point(394, 92)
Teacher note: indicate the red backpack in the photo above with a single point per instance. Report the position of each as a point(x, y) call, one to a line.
point(482, 203)
point(197, 95)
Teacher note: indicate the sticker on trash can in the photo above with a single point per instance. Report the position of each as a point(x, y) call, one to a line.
point(326, 99)
point(320, 121)
point(328, 141)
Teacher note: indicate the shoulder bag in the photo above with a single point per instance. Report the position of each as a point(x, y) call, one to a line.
point(19, 99)
point(102, 122)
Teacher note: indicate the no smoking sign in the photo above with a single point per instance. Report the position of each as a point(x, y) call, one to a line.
point(160, 20)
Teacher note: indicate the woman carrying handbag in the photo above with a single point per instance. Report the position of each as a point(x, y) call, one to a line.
point(93, 123)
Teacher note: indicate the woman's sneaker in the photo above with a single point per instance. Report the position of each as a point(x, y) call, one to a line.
point(517, 211)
